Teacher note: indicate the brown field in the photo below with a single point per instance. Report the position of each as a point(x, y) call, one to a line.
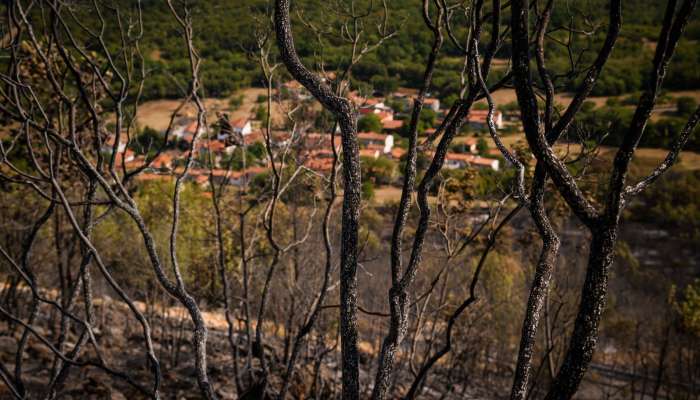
point(644, 157)
point(505, 96)
point(157, 113)
point(387, 194)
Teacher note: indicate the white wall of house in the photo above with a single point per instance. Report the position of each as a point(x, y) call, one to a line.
point(247, 129)
point(434, 105)
point(495, 164)
point(454, 164)
point(179, 132)
point(107, 147)
point(498, 120)
point(388, 144)
point(244, 130)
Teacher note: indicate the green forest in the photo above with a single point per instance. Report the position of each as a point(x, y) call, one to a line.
point(226, 44)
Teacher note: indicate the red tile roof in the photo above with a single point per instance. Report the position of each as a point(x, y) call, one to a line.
point(369, 153)
point(372, 136)
point(319, 164)
point(163, 160)
point(397, 152)
point(391, 125)
point(479, 116)
point(470, 159)
point(214, 146)
point(253, 137)
point(239, 123)
point(191, 127)
point(385, 116)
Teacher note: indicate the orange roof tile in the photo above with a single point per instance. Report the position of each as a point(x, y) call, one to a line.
point(319, 164)
point(385, 116)
point(394, 124)
point(397, 152)
point(371, 136)
point(481, 115)
point(239, 122)
point(369, 153)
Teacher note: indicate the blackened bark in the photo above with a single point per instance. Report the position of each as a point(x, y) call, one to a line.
point(540, 284)
point(27, 245)
point(585, 335)
point(347, 121)
point(398, 293)
point(534, 130)
point(397, 296)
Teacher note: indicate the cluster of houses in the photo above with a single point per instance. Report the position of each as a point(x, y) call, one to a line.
point(313, 150)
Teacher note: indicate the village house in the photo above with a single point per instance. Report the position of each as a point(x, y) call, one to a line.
point(397, 153)
point(163, 160)
point(477, 119)
point(241, 126)
point(126, 156)
point(393, 125)
point(253, 137)
point(319, 160)
point(371, 152)
point(187, 130)
point(470, 144)
point(377, 107)
point(313, 140)
point(494, 153)
point(385, 116)
point(432, 103)
point(108, 144)
point(322, 165)
point(213, 148)
point(403, 96)
point(457, 160)
point(385, 142)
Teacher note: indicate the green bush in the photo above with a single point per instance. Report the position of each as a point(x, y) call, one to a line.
point(369, 123)
point(381, 170)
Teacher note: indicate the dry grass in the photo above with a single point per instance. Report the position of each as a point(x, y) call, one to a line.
point(387, 194)
point(505, 96)
point(157, 113)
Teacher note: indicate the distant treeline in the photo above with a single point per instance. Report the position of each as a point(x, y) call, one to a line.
point(225, 32)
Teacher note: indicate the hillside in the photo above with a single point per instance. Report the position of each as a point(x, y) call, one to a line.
point(225, 33)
